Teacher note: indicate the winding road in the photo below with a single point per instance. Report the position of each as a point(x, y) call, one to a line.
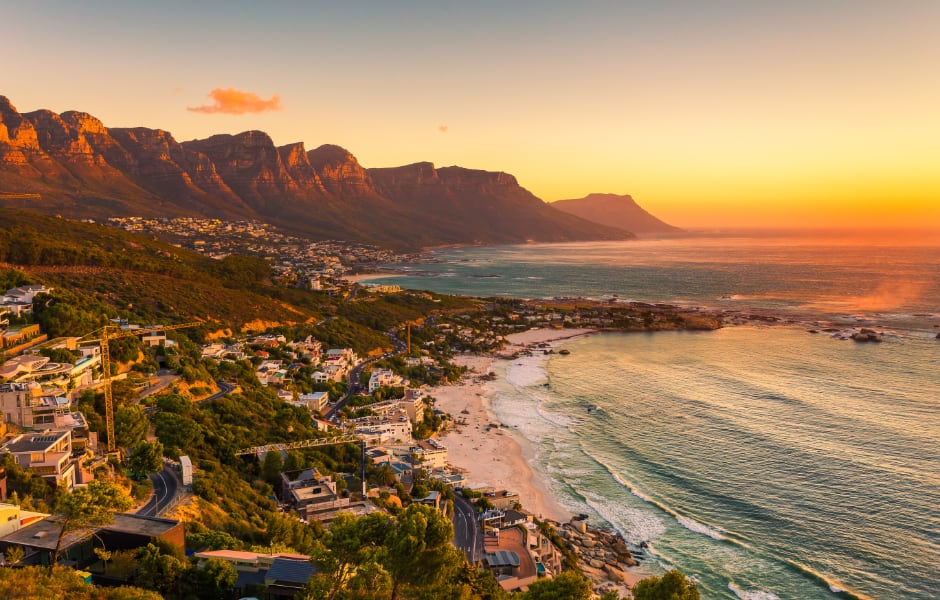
point(166, 485)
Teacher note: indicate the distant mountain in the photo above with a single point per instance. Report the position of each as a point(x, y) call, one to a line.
point(83, 169)
point(616, 211)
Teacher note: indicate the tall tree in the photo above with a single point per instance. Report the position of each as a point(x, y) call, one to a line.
point(147, 457)
point(215, 580)
point(85, 509)
point(349, 544)
point(419, 552)
point(160, 571)
point(130, 426)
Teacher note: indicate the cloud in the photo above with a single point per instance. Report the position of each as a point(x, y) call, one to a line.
point(442, 128)
point(237, 102)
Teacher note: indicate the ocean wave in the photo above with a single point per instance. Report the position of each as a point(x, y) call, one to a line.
point(752, 594)
point(556, 418)
point(695, 526)
point(527, 372)
point(834, 587)
point(634, 524)
point(716, 533)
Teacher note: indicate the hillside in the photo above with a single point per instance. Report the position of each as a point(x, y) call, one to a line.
point(617, 211)
point(83, 169)
point(99, 271)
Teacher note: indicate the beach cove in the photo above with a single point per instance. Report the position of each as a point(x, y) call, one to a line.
point(491, 454)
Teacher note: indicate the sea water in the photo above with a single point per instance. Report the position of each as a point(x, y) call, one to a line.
point(766, 462)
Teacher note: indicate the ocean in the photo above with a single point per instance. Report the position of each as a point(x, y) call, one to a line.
point(764, 461)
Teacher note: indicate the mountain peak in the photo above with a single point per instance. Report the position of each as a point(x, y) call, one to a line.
point(615, 210)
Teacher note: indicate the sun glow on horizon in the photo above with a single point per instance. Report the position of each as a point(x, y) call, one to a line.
point(733, 114)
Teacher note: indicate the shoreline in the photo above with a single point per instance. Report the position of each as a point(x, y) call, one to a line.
point(361, 277)
point(489, 454)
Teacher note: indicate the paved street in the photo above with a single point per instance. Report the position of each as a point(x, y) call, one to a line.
point(166, 486)
point(467, 536)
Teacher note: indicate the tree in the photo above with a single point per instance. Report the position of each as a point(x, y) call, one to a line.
point(130, 426)
point(419, 552)
point(215, 579)
point(13, 555)
point(160, 571)
point(673, 585)
point(85, 509)
point(349, 544)
point(568, 585)
point(147, 457)
point(35, 582)
point(272, 466)
point(176, 431)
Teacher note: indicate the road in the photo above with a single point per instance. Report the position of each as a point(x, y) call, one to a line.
point(467, 536)
point(164, 378)
point(354, 375)
point(224, 388)
point(166, 485)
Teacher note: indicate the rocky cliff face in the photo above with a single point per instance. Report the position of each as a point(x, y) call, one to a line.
point(341, 173)
point(19, 142)
point(84, 169)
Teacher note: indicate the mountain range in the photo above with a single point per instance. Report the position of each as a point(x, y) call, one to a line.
point(83, 169)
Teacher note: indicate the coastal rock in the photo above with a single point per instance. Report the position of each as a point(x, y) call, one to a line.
point(615, 574)
point(866, 335)
point(596, 564)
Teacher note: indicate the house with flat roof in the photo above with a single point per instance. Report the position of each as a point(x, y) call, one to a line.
point(430, 453)
point(384, 378)
point(126, 532)
point(13, 518)
point(24, 294)
point(283, 575)
point(47, 453)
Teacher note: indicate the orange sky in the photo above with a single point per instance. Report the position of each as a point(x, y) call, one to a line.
point(733, 113)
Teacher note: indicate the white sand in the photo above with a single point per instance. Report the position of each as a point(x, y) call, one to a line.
point(500, 457)
point(360, 277)
point(490, 456)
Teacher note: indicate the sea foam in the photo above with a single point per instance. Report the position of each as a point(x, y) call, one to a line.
point(693, 525)
point(751, 594)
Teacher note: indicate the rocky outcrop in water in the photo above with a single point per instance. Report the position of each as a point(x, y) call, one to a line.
point(603, 556)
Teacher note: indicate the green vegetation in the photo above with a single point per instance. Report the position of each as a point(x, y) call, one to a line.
point(378, 556)
point(100, 274)
point(569, 585)
point(86, 508)
point(673, 585)
point(35, 582)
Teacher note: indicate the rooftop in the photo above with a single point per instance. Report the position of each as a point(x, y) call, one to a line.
point(502, 558)
point(37, 442)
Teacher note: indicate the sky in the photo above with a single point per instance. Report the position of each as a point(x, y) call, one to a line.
point(745, 113)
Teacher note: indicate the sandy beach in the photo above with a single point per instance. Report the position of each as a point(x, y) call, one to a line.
point(360, 277)
point(495, 456)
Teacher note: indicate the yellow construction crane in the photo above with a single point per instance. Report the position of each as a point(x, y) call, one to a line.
point(103, 336)
point(418, 322)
